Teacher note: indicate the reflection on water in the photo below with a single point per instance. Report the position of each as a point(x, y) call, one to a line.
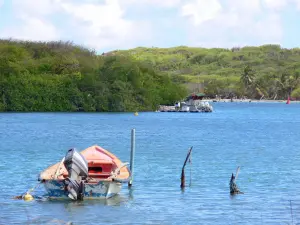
point(71, 207)
point(40, 220)
point(130, 193)
point(116, 200)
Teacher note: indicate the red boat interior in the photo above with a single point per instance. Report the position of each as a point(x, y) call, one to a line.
point(101, 164)
point(100, 169)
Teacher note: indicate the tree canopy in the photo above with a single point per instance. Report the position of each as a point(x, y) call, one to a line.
point(61, 76)
point(267, 71)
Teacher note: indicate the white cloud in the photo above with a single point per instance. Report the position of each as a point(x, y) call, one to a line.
point(94, 24)
point(281, 4)
point(157, 3)
point(268, 29)
point(103, 25)
point(95, 13)
point(113, 24)
point(275, 4)
point(165, 3)
point(31, 25)
point(34, 7)
point(32, 29)
point(244, 7)
point(297, 3)
point(236, 24)
point(201, 10)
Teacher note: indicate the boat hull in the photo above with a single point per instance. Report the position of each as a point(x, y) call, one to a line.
point(100, 190)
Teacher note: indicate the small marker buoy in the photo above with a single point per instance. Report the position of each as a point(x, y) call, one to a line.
point(28, 197)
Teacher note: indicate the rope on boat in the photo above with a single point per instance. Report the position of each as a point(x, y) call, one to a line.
point(33, 189)
point(115, 173)
point(27, 196)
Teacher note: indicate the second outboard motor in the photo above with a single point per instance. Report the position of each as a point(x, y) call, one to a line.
point(77, 168)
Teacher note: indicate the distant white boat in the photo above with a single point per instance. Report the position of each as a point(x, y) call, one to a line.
point(185, 108)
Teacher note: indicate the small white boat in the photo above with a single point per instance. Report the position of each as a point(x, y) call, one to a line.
point(185, 108)
point(92, 173)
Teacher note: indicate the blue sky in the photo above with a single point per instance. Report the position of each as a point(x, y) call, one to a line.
point(106, 25)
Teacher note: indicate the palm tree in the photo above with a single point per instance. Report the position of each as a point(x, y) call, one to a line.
point(248, 80)
point(294, 81)
point(288, 83)
point(247, 77)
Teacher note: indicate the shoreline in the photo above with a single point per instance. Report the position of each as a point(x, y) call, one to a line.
point(250, 100)
point(203, 100)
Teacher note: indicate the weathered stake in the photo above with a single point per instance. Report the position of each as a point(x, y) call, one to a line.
point(132, 153)
point(190, 160)
point(232, 185)
point(182, 185)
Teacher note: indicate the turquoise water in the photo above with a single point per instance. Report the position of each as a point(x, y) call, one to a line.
point(263, 139)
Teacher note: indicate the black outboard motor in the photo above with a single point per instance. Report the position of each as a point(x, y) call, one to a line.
point(77, 168)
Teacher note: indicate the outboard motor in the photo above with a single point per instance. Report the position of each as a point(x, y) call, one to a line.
point(77, 168)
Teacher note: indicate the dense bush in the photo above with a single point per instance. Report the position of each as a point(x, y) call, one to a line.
point(60, 76)
point(267, 71)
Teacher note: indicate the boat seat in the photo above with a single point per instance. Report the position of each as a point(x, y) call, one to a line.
point(98, 175)
point(99, 162)
point(93, 181)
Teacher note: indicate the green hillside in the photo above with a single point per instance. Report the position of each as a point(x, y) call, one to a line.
point(60, 76)
point(267, 71)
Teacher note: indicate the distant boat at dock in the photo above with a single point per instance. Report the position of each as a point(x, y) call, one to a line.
point(193, 104)
point(92, 173)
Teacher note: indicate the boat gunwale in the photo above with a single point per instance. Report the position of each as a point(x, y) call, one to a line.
point(114, 158)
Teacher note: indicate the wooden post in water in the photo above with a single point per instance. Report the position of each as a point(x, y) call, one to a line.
point(291, 212)
point(182, 185)
point(132, 153)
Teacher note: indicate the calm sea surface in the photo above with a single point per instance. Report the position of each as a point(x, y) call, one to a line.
point(262, 138)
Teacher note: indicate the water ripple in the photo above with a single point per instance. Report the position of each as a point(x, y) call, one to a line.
point(261, 138)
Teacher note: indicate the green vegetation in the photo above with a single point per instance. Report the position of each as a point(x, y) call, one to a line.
point(60, 76)
point(267, 71)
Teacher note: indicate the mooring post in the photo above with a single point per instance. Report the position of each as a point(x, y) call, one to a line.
point(182, 184)
point(132, 153)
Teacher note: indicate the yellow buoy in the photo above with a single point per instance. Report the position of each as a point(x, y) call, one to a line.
point(28, 197)
point(136, 114)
